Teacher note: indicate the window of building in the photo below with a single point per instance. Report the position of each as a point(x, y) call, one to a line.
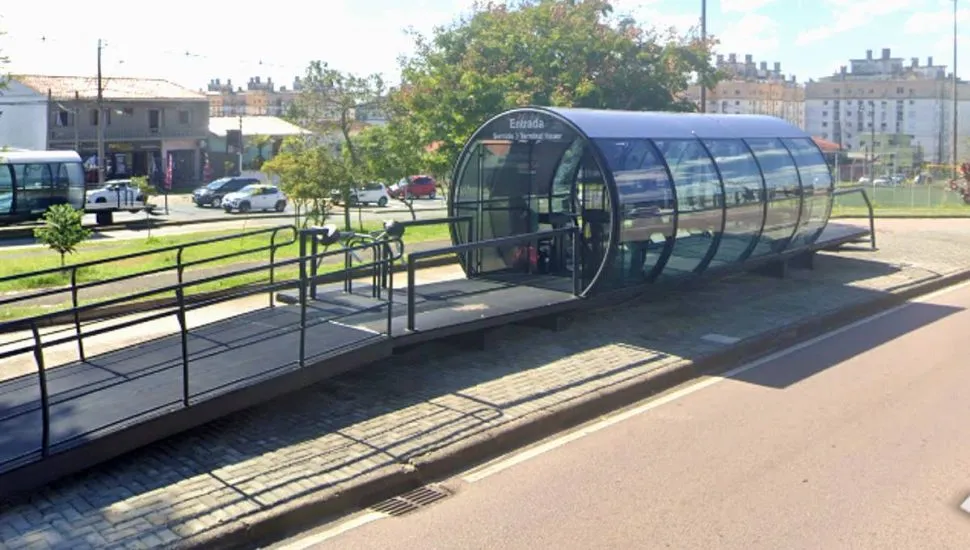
point(93, 117)
point(185, 117)
point(63, 118)
point(900, 90)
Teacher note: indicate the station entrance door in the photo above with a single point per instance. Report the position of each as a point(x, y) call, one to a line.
point(511, 188)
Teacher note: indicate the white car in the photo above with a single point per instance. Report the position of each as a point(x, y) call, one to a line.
point(115, 195)
point(255, 197)
point(371, 193)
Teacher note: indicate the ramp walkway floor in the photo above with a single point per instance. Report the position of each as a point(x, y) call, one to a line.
point(118, 390)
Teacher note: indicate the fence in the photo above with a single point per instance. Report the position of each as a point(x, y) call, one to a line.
point(908, 198)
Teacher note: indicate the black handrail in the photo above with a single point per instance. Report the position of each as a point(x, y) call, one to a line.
point(865, 197)
point(180, 308)
point(471, 246)
point(179, 266)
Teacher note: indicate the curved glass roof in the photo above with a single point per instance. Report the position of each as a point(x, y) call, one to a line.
point(660, 125)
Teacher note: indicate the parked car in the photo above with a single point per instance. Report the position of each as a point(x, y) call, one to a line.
point(415, 186)
point(255, 197)
point(115, 195)
point(214, 192)
point(371, 193)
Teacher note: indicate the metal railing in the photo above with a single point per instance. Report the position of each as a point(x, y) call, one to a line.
point(37, 343)
point(179, 267)
point(865, 197)
point(525, 238)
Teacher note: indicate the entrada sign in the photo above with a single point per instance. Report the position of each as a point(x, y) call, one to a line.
point(526, 128)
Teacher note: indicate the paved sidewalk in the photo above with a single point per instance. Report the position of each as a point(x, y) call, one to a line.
point(385, 418)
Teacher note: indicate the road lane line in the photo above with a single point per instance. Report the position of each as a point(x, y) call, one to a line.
point(966, 505)
point(509, 461)
point(310, 541)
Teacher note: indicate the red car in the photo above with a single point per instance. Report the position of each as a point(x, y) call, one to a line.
point(418, 187)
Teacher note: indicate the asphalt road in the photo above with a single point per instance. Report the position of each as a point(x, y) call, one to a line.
point(859, 439)
point(181, 209)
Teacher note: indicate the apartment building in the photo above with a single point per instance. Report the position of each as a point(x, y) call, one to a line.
point(257, 98)
point(753, 88)
point(886, 96)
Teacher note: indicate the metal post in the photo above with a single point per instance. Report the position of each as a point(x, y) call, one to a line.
point(100, 119)
point(575, 252)
point(390, 292)
point(348, 263)
point(303, 300)
point(184, 335)
point(956, 104)
point(707, 58)
point(411, 293)
point(272, 266)
point(45, 406)
point(77, 315)
point(314, 249)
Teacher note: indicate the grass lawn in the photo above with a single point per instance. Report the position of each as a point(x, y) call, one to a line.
point(92, 250)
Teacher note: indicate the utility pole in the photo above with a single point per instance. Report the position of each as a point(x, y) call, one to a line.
point(956, 104)
point(77, 128)
point(242, 144)
point(100, 119)
point(707, 58)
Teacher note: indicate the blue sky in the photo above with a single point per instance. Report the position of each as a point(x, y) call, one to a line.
point(191, 41)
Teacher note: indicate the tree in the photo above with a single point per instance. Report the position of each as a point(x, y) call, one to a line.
point(147, 191)
point(309, 172)
point(393, 152)
point(260, 142)
point(569, 53)
point(327, 105)
point(62, 230)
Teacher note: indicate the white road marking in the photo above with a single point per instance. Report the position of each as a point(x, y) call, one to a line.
point(509, 461)
point(966, 505)
point(721, 339)
point(312, 540)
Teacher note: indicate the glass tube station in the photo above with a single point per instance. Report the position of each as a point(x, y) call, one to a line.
point(654, 195)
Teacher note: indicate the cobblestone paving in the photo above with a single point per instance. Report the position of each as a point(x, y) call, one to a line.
point(387, 416)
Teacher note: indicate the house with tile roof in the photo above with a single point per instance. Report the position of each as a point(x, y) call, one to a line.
point(146, 121)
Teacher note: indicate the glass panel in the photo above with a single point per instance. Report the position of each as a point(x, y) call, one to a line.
point(6, 189)
point(646, 207)
point(817, 185)
point(699, 203)
point(34, 183)
point(744, 194)
point(782, 188)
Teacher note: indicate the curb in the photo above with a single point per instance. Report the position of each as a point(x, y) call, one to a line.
point(306, 511)
point(110, 312)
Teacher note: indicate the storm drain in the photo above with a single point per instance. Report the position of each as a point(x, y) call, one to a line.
point(411, 500)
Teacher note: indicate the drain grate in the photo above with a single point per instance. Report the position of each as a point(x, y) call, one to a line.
point(411, 500)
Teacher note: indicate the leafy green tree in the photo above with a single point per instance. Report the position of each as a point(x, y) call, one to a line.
point(327, 105)
point(309, 171)
point(392, 152)
point(568, 53)
point(147, 191)
point(62, 230)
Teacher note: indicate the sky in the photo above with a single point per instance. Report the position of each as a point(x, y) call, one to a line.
point(191, 42)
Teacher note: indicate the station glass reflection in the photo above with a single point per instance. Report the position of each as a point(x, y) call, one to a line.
point(782, 190)
point(744, 191)
point(817, 187)
point(646, 208)
point(699, 204)
point(653, 195)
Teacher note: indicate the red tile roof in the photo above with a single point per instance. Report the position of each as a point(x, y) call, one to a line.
point(827, 146)
point(64, 87)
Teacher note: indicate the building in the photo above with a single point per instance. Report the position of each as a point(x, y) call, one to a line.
point(261, 138)
point(866, 106)
point(144, 121)
point(258, 98)
point(753, 89)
